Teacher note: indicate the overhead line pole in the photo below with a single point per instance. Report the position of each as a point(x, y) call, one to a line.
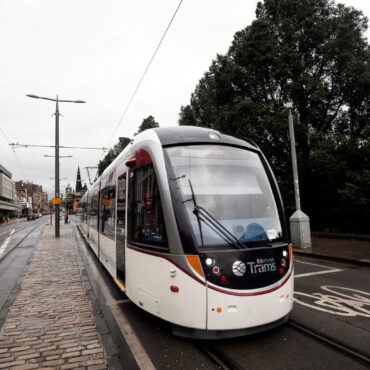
point(57, 190)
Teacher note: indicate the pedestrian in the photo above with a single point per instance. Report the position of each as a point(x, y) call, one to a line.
point(66, 218)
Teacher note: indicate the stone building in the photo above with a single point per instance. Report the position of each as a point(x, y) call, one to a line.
point(32, 196)
point(8, 203)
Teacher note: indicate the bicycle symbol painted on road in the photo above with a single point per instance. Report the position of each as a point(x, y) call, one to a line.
point(337, 301)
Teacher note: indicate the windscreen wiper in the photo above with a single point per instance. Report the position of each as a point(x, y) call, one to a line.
point(208, 219)
point(196, 214)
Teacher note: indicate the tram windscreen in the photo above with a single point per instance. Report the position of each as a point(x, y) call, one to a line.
point(232, 186)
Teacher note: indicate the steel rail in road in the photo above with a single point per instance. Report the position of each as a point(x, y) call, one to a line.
point(225, 362)
point(219, 357)
point(15, 232)
point(17, 244)
point(341, 347)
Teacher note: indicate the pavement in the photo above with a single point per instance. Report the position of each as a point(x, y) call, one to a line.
point(51, 323)
point(339, 249)
point(13, 221)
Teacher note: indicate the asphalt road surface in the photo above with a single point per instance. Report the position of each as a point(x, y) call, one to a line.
point(20, 239)
point(331, 299)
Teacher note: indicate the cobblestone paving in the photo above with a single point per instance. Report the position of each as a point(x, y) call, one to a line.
point(51, 325)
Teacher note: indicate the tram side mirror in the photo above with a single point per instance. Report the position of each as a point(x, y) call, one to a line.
point(131, 163)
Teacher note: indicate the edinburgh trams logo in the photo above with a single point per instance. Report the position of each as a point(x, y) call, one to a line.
point(239, 268)
point(261, 265)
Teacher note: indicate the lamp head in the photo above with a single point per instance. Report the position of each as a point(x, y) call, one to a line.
point(288, 105)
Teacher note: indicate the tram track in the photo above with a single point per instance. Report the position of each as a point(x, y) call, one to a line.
point(225, 362)
point(333, 343)
point(220, 358)
point(5, 254)
point(4, 237)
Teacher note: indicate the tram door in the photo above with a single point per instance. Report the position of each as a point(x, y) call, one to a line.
point(121, 227)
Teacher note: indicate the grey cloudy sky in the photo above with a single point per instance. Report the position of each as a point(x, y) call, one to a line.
point(97, 51)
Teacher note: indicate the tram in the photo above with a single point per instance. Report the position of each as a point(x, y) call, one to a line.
point(190, 225)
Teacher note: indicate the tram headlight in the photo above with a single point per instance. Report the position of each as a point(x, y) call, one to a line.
point(285, 253)
point(210, 261)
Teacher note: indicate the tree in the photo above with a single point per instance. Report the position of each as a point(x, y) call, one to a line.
point(313, 53)
point(147, 123)
point(112, 154)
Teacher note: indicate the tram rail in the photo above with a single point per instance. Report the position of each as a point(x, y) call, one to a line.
point(333, 343)
point(220, 358)
point(6, 236)
point(5, 254)
point(225, 362)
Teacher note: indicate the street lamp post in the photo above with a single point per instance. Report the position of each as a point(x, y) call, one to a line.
point(57, 190)
point(300, 231)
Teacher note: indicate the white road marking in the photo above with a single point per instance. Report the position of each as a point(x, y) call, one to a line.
point(339, 301)
point(328, 271)
point(316, 273)
point(5, 244)
point(314, 264)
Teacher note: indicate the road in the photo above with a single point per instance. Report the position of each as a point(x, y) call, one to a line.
point(17, 241)
point(332, 299)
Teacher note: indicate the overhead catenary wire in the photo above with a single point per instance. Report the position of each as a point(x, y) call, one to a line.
point(144, 74)
point(18, 145)
point(15, 154)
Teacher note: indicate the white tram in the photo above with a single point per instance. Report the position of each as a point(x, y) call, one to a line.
point(190, 224)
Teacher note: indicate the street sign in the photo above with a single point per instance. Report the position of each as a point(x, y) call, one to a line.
point(105, 202)
point(56, 201)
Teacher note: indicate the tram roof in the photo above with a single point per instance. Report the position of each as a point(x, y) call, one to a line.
point(191, 134)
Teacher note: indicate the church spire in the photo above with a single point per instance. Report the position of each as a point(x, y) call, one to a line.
point(78, 181)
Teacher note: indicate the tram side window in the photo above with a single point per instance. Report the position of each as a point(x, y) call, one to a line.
point(146, 225)
point(121, 205)
point(84, 212)
point(94, 211)
point(80, 211)
point(107, 211)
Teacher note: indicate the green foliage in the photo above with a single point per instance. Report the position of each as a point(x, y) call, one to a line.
point(147, 123)
point(313, 53)
point(112, 154)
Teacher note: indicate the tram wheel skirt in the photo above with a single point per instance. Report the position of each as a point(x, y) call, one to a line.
point(184, 332)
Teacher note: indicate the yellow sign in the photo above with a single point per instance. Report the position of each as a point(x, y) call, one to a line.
point(106, 202)
point(56, 201)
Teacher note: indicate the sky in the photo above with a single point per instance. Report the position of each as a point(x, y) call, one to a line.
point(97, 52)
